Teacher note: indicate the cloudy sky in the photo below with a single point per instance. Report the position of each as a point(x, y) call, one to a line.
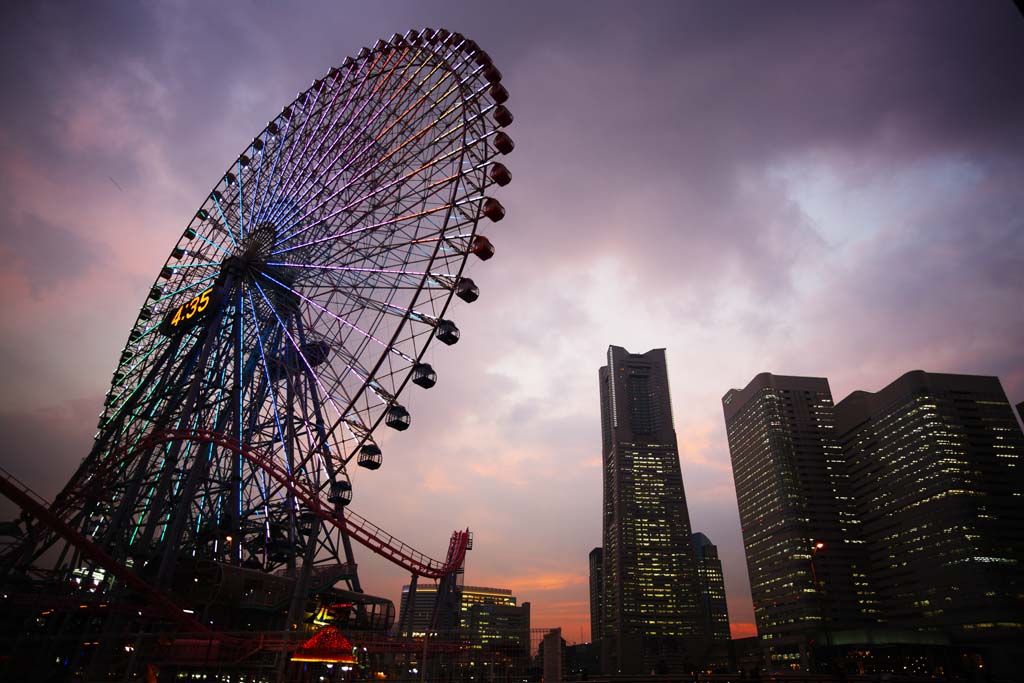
point(828, 189)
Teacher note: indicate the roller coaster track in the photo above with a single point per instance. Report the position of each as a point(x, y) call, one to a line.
point(358, 528)
point(28, 501)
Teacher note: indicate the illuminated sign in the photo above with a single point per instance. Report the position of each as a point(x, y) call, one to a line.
point(326, 645)
point(189, 314)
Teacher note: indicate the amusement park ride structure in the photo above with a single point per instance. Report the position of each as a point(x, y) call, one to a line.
point(290, 315)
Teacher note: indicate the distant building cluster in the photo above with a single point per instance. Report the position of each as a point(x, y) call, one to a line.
point(480, 614)
point(882, 533)
point(494, 628)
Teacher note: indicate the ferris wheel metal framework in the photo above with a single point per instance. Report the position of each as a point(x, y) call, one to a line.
point(289, 317)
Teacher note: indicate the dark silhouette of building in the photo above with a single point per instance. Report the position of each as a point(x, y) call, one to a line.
point(937, 463)
point(712, 588)
point(794, 496)
point(596, 587)
point(582, 661)
point(651, 611)
point(551, 655)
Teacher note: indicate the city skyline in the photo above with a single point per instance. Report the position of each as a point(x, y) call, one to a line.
point(829, 191)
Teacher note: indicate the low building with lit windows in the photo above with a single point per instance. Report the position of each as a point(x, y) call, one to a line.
point(482, 615)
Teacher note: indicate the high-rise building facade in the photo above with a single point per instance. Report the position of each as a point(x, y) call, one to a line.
point(793, 495)
point(651, 610)
point(712, 588)
point(937, 463)
point(596, 589)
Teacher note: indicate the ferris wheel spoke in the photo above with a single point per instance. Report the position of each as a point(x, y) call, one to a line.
point(421, 197)
point(377, 189)
point(269, 203)
point(345, 209)
point(303, 174)
point(346, 323)
point(336, 212)
point(279, 432)
point(296, 175)
point(241, 202)
point(227, 224)
point(354, 269)
point(261, 206)
point(374, 226)
point(184, 266)
point(295, 346)
point(213, 244)
point(368, 146)
point(255, 193)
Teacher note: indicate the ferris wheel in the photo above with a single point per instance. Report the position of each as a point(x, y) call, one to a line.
point(291, 314)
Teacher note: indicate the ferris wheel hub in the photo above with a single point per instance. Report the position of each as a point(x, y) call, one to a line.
point(250, 257)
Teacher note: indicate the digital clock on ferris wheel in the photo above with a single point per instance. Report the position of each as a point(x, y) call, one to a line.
point(189, 314)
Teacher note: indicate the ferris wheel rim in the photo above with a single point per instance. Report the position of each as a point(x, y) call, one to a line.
point(410, 337)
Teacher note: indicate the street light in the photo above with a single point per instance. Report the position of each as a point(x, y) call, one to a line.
point(814, 575)
point(819, 590)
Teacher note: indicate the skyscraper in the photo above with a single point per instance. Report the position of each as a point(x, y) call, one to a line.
point(651, 607)
point(915, 495)
point(712, 588)
point(793, 494)
point(938, 466)
point(596, 589)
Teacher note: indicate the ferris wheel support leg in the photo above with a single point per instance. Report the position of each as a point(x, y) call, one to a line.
point(199, 465)
point(289, 454)
point(346, 543)
point(198, 473)
point(131, 492)
point(235, 505)
point(405, 622)
point(299, 595)
point(37, 544)
point(162, 487)
point(117, 421)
